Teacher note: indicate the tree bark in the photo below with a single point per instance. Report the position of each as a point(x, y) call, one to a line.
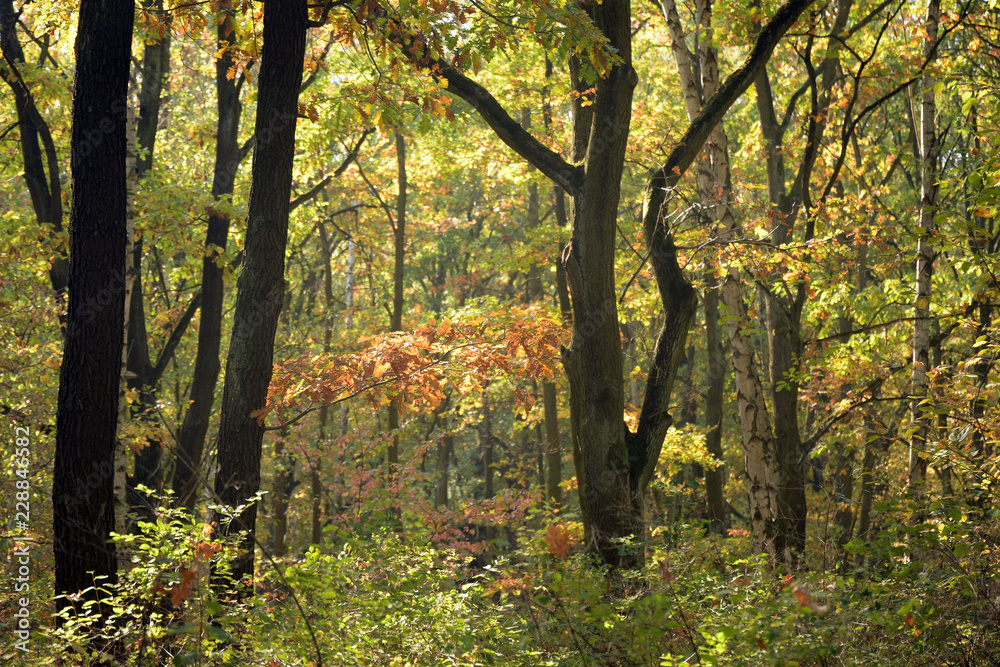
point(763, 465)
point(86, 418)
point(282, 479)
point(121, 476)
point(924, 267)
point(398, 274)
point(715, 480)
point(260, 286)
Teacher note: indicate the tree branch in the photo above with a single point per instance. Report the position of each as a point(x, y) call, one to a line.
point(417, 50)
point(174, 340)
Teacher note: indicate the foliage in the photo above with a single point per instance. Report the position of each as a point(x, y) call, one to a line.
point(404, 575)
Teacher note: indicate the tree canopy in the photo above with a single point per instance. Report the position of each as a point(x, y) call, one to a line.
point(446, 331)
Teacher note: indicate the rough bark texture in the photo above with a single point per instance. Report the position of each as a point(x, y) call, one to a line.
point(261, 283)
point(192, 432)
point(86, 419)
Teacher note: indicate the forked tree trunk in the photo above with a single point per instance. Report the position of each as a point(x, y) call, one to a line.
point(261, 283)
point(613, 465)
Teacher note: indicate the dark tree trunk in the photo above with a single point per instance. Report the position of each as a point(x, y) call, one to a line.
point(316, 484)
point(148, 461)
point(844, 491)
point(553, 447)
point(155, 67)
point(486, 447)
point(715, 480)
point(282, 482)
point(443, 460)
point(398, 274)
point(192, 432)
point(260, 287)
point(87, 413)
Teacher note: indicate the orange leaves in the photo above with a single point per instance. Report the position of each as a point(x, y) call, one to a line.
point(411, 369)
point(557, 541)
point(308, 111)
point(181, 592)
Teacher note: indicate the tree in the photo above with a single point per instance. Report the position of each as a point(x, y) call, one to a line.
point(87, 417)
point(41, 162)
point(261, 285)
point(614, 465)
point(924, 264)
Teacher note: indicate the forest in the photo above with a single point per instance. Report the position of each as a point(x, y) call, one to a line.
point(500, 332)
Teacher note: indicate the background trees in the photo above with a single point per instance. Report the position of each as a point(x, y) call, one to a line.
point(442, 353)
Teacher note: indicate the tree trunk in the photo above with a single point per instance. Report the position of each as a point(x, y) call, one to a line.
point(763, 462)
point(282, 477)
point(316, 484)
point(553, 448)
point(715, 480)
point(191, 434)
point(443, 459)
point(155, 68)
point(398, 273)
point(121, 476)
point(844, 491)
point(867, 496)
point(143, 376)
point(486, 446)
point(924, 268)
point(610, 509)
point(86, 418)
point(261, 283)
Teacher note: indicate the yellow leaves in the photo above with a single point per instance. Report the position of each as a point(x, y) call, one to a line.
point(380, 369)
